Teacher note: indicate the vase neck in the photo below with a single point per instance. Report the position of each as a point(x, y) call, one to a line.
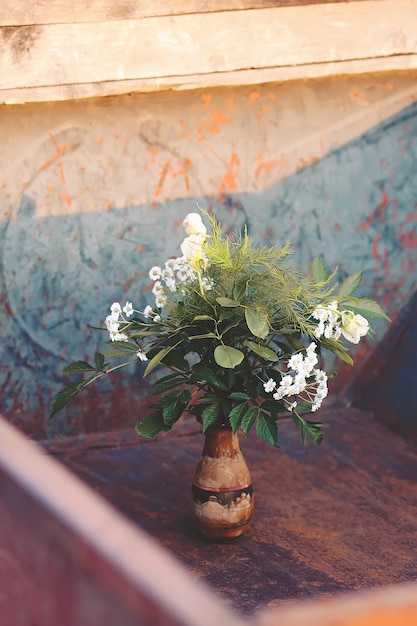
point(221, 441)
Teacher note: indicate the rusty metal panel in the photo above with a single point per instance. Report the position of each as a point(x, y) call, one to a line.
point(338, 518)
point(68, 558)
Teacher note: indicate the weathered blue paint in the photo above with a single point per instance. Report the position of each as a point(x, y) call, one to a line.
point(356, 207)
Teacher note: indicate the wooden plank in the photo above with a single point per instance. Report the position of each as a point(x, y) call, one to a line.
point(23, 95)
point(68, 558)
point(29, 12)
point(190, 45)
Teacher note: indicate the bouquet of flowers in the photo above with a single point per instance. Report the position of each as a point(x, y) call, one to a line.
point(239, 331)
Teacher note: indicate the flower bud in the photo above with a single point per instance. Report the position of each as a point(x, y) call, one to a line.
point(192, 249)
point(193, 225)
point(353, 327)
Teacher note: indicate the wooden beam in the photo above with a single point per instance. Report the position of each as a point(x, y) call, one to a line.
point(184, 51)
point(30, 12)
point(201, 81)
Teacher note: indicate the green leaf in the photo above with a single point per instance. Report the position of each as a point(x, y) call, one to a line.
point(204, 374)
point(248, 420)
point(77, 367)
point(262, 351)
point(210, 415)
point(319, 270)
point(257, 323)
point(209, 398)
point(152, 425)
point(204, 336)
point(236, 414)
point(304, 407)
point(157, 359)
point(314, 429)
point(267, 429)
point(238, 395)
point(350, 284)
point(227, 302)
point(126, 346)
point(368, 308)
point(203, 318)
point(166, 383)
point(114, 354)
point(239, 290)
point(228, 357)
point(338, 349)
point(62, 398)
point(176, 407)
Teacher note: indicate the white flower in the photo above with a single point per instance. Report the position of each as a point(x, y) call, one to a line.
point(193, 225)
point(147, 311)
point(157, 289)
point(295, 362)
point(118, 337)
point(157, 318)
point(270, 385)
point(311, 348)
point(128, 309)
point(141, 355)
point(160, 300)
point(192, 249)
point(116, 309)
point(353, 326)
point(292, 406)
point(155, 273)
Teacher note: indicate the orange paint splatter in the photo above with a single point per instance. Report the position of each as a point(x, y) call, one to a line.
point(162, 179)
point(139, 249)
point(100, 141)
point(213, 124)
point(263, 166)
point(253, 97)
point(228, 181)
point(272, 96)
point(355, 94)
point(229, 103)
point(263, 110)
point(206, 98)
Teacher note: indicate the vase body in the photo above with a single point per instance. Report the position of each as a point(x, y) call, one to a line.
point(222, 492)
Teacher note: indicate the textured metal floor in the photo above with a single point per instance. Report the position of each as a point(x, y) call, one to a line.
point(339, 517)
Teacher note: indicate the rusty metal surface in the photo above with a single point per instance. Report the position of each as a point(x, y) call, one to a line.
point(331, 519)
point(386, 385)
point(68, 559)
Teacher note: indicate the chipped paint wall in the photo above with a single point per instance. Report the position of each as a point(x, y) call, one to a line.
point(92, 194)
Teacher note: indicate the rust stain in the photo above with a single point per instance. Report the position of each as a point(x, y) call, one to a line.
point(228, 181)
point(162, 179)
point(206, 98)
point(213, 124)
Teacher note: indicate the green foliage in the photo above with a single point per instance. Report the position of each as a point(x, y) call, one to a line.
point(226, 334)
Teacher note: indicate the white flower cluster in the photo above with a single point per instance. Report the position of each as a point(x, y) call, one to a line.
point(115, 318)
point(334, 323)
point(329, 321)
point(303, 378)
point(176, 275)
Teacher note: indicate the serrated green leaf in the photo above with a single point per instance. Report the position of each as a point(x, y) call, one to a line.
point(338, 349)
point(227, 302)
point(209, 398)
point(263, 351)
point(248, 420)
point(126, 346)
point(113, 354)
point(77, 367)
point(257, 323)
point(210, 415)
point(62, 398)
point(166, 383)
point(239, 395)
point(319, 270)
point(314, 429)
point(152, 425)
point(267, 429)
point(176, 406)
point(350, 284)
point(236, 414)
point(304, 407)
point(228, 357)
point(368, 308)
point(202, 372)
